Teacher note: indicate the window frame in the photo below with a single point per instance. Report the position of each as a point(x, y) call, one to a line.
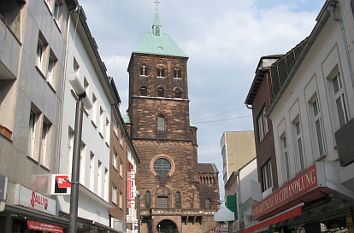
point(299, 151)
point(262, 125)
point(160, 72)
point(285, 156)
point(177, 73)
point(341, 115)
point(161, 92)
point(266, 176)
point(317, 129)
point(143, 71)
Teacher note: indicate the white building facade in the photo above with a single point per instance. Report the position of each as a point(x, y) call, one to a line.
point(313, 105)
point(84, 63)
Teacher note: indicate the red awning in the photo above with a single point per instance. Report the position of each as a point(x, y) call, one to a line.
point(279, 218)
point(40, 226)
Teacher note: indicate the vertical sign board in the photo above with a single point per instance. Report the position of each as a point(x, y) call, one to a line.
point(3, 187)
point(130, 187)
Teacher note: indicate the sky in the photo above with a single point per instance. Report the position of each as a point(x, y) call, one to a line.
point(224, 41)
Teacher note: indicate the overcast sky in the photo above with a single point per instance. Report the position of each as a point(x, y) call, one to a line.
point(224, 40)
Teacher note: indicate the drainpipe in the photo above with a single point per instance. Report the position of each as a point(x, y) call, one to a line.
point(331, 10)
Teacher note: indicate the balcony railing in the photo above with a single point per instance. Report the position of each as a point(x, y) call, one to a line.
point(177, 212)
point(9, 52)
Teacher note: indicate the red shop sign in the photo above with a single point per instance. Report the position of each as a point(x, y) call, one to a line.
point(40, 226)
point(295, 188)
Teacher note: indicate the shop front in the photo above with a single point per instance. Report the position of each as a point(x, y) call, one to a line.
point(30, 212)
point(314, 201)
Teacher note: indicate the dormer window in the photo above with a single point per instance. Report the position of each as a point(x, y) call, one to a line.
point(177, 73)
point(160, 92)
point(143, 91)
point(143, 71)
point(160, 72)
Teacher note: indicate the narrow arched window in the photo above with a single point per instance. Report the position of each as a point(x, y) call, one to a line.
point(207, 204)
point(161, 123)
point(160, 92)
point(160, 72)
point(147, 200)
point(178, 200)
point(178, 93)
point(143, 70)
point(143, 91)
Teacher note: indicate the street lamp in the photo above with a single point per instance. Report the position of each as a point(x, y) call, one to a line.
point(138, 194)
point(82, 100)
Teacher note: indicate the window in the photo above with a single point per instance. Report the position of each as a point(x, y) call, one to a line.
point(105, 184)
point(70, 149)
point(178, 93)
point(160, 71)
point(33, 133)
point(94, 108)
point(101, 123)
point(107, 130)
point(143, 71)
point(121, 168)
point(99, 178)
point(161, 123)
point(51, 69)
point(160, 92)
point(57, 13)
point(82, 162)
point(207, 204)
point(317, 127)
point(41, 50)
point(86, 86)
point(162, 166)
point(114, 194)
point(262, 125)
point(162, 202)
point(266, 173)
point(299, 152)
point(121, 200)
point(76, 67)
point(177, 73)
point(147, 200)
point(92, 171)
point(143, 91)
point(178, 200)
point(45, 148)
point(339, 101)
point(285, 155)
point(115, 160)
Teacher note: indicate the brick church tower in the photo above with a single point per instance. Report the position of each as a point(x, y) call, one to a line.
point(178, 194)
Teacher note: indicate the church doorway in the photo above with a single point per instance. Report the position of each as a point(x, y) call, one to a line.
point(166, 226)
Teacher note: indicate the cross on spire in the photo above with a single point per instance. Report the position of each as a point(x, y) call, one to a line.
point(157, 2)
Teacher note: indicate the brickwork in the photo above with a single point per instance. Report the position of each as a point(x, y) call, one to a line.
point(264, 149)
point(176, 143)
point(118, 178)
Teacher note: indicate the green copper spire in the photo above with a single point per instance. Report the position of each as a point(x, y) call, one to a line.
point(158, 43)
point(156, 25)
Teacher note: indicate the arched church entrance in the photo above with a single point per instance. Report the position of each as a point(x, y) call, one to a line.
point(166, 226)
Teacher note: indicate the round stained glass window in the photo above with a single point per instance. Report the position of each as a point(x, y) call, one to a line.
point(162, 166)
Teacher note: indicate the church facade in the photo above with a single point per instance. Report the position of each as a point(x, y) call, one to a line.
point(178, 194)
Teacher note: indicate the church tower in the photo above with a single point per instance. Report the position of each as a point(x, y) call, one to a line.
point(167, 176)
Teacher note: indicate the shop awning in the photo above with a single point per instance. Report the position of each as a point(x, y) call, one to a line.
point(40, 226)
point(296, 211)
point(224, 215)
